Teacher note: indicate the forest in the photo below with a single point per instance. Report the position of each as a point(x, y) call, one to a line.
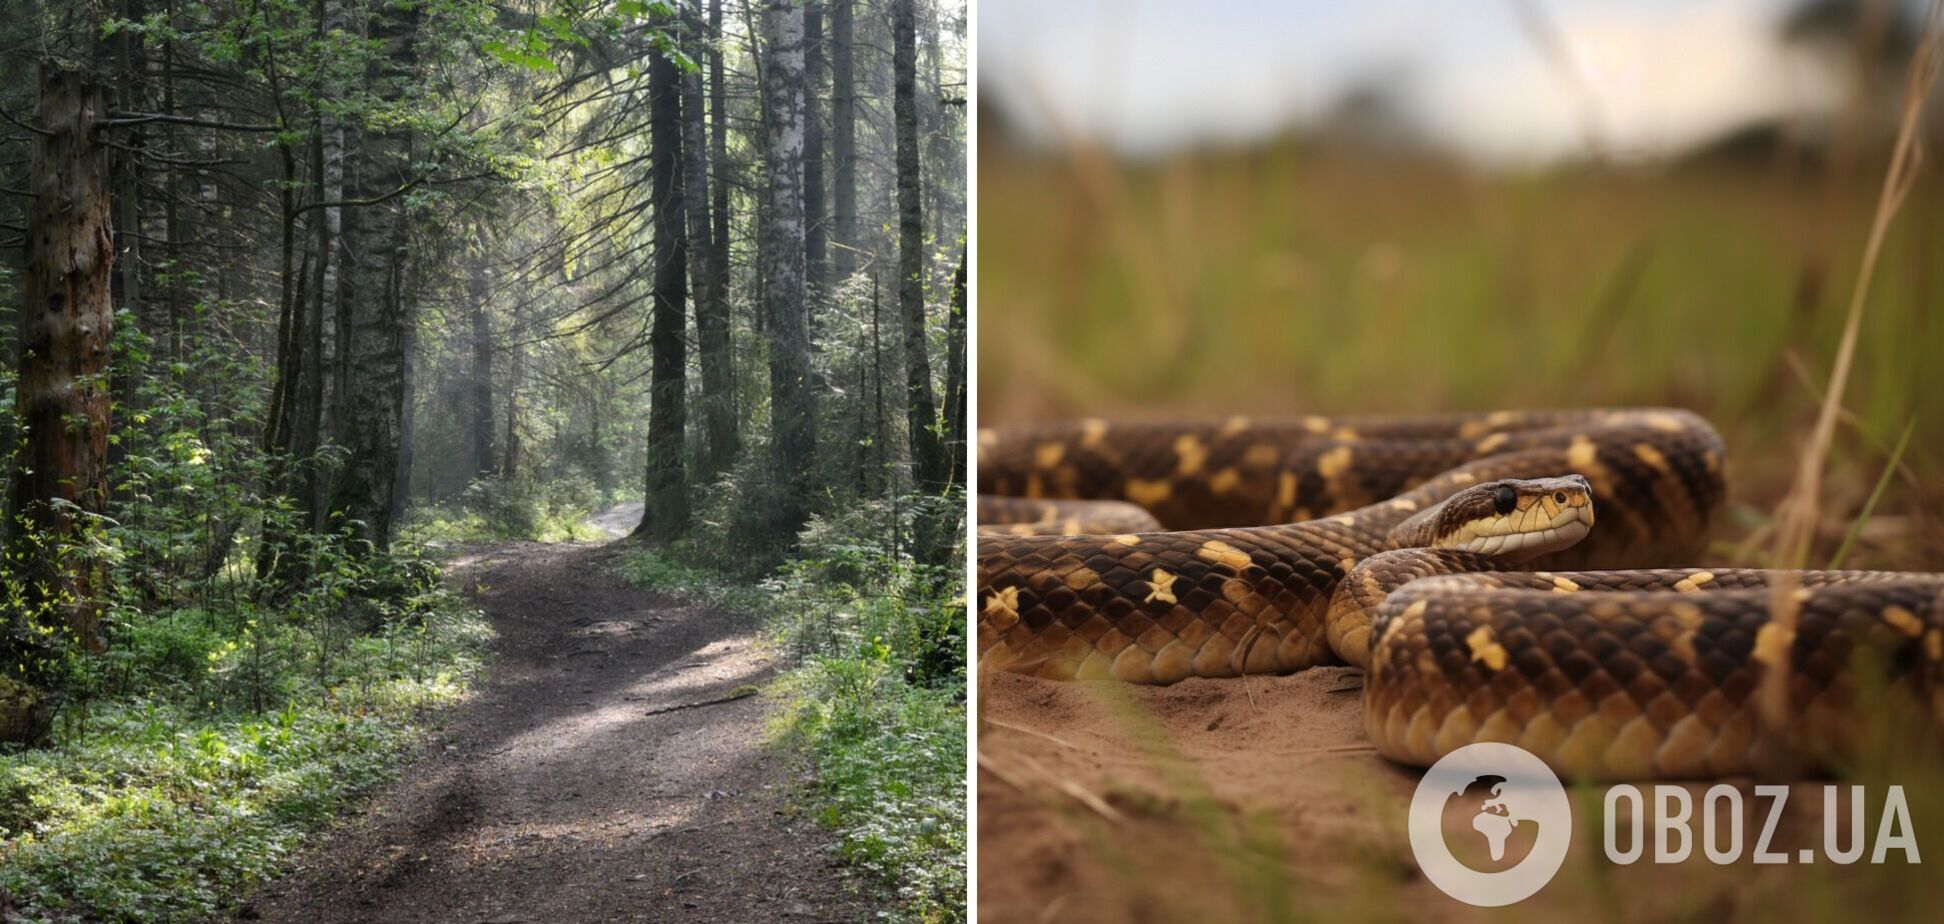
point(307, 304)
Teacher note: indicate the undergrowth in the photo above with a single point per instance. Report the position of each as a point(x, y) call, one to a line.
point(509, 508)
point(212, 745)
point(874, 699)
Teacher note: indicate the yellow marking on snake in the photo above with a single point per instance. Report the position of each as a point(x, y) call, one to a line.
point(1225, 481)
point(1564, 585)
point(1346, 434)
point(1127, 539)
point(1772, 643)
point(1405, 504)
point(1688, 617)
point(1261, 455)
point(1345, 519)
point(1234, 425)
point(1092, 431)
point(1485, 647)
point(1161, 587)
point(1581, 454)
point(1048, 455)
point(1693, 582)
point(1666, 422)
point(1315, 424)
point(988, 437)
point(1223, 554)
point(1190, 455)
point(1149, 493)
point(1331, 465)
point(1463, 478)
point(1651, 456)
point(1903, 621)
point(1934, 645)
point(1492, 442)
point(1002, 607)
point(1286, 490)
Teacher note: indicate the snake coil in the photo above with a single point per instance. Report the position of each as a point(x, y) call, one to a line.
point(1137, 552)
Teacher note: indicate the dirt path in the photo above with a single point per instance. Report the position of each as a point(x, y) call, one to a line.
point(561, 793)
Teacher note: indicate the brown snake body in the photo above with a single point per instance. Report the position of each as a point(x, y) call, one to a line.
point(1631, 673)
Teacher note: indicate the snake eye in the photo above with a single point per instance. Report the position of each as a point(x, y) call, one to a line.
point(1559, 497)
point(1505, 499)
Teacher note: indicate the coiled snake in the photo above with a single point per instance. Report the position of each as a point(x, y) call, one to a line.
point(1444, 556)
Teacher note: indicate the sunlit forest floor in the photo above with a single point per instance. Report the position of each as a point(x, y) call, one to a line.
point(1293, 281)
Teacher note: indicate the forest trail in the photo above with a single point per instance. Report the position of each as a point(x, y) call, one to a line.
point(567, 790)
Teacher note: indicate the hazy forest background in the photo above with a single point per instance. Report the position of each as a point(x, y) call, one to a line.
point(297, 296)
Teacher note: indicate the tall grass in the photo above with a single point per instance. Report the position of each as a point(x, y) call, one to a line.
point(1300, 280)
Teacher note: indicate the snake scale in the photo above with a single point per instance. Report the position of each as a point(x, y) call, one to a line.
point(1450, 557)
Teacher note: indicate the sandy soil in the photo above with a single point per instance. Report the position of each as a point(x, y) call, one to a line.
point(559, 792)
point(1104, 802)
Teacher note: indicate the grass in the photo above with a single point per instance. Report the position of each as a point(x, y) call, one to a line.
point(884, 740)
point(167, 800)
point(1298, 280)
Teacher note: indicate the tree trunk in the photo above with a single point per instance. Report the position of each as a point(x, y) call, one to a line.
point(482, 366)
point(793, 420)
point(710, 281)
point(374, 313)
point(321, 327)
point(407, 386)
point(955, 373)
point(816, 230)
point(666, 514)
point(843, 141)
point(61, 396)
point(927, 450)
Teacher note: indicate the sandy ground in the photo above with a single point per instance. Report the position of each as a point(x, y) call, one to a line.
point(554, 795)
point(1105, 802)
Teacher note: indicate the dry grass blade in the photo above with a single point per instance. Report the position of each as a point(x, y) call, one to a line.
point(1801, 508)
point(1062, 742)
point(1087, 799)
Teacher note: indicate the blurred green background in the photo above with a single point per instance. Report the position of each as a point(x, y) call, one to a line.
point(1364, 260)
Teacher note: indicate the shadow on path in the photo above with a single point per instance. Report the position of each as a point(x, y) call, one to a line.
point(553, 795)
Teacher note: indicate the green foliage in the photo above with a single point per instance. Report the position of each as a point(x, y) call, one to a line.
point(509, 508)
point(876, 700)
point(165, 802)
point(229, 714)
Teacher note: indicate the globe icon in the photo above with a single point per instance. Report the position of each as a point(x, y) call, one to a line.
point(1487, 827)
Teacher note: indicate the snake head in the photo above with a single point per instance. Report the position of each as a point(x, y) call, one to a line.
point(1513, 519)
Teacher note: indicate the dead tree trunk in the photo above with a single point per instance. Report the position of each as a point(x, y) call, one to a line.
point(67, 317)
point(927, 450)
